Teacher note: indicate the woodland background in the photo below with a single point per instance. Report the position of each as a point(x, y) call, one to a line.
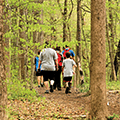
point(28, 24)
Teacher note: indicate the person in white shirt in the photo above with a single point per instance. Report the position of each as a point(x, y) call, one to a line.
point(68, 71)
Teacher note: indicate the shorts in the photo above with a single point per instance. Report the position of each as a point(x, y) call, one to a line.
point(67, 79)
point(38, 73)
point(48, 75)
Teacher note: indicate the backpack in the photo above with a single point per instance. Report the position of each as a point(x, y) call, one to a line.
point(60, 59)
point(64, 54)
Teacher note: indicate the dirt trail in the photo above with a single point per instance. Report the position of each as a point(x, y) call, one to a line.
point(76, 103)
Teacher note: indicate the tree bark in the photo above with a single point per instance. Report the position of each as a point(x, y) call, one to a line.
point(3, 86)
point(113, 77)
point(64, 22)
point(78, 48)
point(113, 74)
point(117, 60)
point(21, 57)
point(99, 109)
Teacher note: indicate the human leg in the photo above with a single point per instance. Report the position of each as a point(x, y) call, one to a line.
point(55, 81)
point(67, 87)
point(46, 86)
point(46, 81)
point(70, 84)
point(68, 81)
point(52, 79)
point(38, 79)
point(59, 78)
point(41, 81)
point(51, 85)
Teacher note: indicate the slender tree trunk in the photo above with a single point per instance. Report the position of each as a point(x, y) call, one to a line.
point(22, 55)
point(113, 74)
point(117, 61)
point(7, 44)
point(86, 49)
point(78, 48)
point(99, 109)
point(113, 77)
point(3, 86)
point(64, 21)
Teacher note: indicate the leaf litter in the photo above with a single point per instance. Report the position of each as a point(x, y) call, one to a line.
point(58, 105)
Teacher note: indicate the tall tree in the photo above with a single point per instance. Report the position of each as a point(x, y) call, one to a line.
point(64, 22)
point(113, 77)
point(78, 47)
point(117, 61)
point(3, 87)
point(99, 109)
point(113, 70)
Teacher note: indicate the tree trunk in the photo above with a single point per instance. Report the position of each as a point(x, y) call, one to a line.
point(22, 55)
point(41, 33)
point(7, 45)
point(117, 60)
point(3, 86)
point(113, 74)
point(113, 77)
point(99, 109)
point(64, 21)
point(78, 48)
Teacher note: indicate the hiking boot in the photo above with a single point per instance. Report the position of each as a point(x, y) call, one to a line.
point(69, 87)
point(47, 91)
point(39, 86)
point(42, 85)
point(67, 90)
point(59, 89)
point(51, 88)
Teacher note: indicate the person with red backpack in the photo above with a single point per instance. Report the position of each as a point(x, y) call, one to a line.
point(67, 49)
point(57, 83)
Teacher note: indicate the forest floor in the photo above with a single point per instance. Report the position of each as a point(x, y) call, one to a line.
point(58, 105)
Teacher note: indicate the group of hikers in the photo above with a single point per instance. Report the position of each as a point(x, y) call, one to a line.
point(50, 63)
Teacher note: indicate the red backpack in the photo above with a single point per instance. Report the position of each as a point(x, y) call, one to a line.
point(60, 59)
point(64, 54)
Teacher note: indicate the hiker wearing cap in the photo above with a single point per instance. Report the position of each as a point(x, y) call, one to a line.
point(48, 59)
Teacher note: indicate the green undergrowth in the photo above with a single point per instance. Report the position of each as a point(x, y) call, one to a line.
point(20, 90)
point(113, 85)
point(17, 89)
point(84, 87)
point(110, 85)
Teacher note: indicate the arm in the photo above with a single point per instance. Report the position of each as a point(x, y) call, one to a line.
point(73, 58)
point(56, 62)
point(74, 68)
point(39, 64)
point(72, 55)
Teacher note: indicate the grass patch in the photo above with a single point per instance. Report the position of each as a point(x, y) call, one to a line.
point(113, 85)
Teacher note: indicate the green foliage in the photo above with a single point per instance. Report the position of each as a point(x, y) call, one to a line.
point(84, 87)
point(113, 85)
point(113, 116)
point(16, 90)
point(24, 16)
